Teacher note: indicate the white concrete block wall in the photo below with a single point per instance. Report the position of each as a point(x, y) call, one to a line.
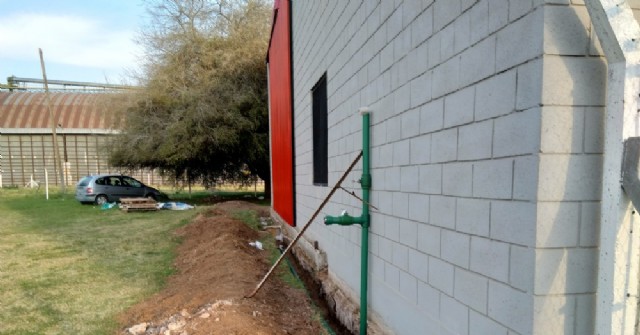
point(486, 152)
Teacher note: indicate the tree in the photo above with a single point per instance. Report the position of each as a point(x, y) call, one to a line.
point(203, 109)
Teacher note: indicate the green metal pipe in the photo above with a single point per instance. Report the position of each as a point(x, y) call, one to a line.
point(365, 182)
point(363, 220)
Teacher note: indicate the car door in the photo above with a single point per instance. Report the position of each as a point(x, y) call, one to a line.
point(113, 188)
point(132, 187)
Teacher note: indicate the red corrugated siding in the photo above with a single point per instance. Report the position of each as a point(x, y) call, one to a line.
point(72, 110)
point(281, 114)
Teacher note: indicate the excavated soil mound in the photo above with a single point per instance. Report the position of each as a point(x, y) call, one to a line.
point(216, 267)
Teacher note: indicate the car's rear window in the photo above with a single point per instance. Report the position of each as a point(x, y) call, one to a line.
point(84, 181)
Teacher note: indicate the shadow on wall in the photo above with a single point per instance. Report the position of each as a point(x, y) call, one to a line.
point(570, 172)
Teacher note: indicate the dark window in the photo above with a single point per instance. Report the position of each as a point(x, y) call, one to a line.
point(320, 139)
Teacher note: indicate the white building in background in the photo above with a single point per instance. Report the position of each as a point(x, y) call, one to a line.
point(497, 141)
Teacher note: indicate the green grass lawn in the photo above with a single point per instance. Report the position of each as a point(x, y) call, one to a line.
point(67, 268)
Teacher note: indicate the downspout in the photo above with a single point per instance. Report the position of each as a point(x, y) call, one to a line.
point(619, 249)
point(363, 220)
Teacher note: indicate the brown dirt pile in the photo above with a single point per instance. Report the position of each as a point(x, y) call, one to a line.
point(216, 268)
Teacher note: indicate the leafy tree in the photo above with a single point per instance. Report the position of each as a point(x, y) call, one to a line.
point(202, 112)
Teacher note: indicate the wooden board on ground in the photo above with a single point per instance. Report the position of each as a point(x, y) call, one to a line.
point(138, 204)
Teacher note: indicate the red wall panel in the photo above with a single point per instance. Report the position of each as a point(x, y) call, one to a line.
point(281, 113)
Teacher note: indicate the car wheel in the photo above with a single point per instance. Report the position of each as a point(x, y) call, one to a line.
point(101, 199)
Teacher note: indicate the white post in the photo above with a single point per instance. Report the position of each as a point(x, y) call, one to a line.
point(619, 259)
point(46, 183)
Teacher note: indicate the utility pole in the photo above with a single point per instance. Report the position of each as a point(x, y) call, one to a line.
point(56, 159)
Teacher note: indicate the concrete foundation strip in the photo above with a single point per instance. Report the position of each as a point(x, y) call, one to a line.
point(313, 217)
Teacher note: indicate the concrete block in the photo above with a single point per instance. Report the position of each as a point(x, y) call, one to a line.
point(574, 81)
point(462, 37)
point(385, 249)
point(394, 24)
point(457, 179)
point(554, 315)
point(444, 145)
point(385, 156)
point(421, 89)
point(510, 49)
point(471, 289)
point(428, 299)
point(386, 57)
point(392, 276)
point(422, 26)
point(529, 88)
point(511, 307)
point(498, 14)
point(454, 315)
point(490, 258)
point(420, 150)
point(562, 271)
point(558, 224)
point(562, 130)
point(478, 62)
point(493, 179)
point(446, 77)
point(475, 141)
point(419, 207)
point(454, 248)
point(570, 177)
point(410, 122)
point(400, 204)
point(441, 275)
point(446, 37)
point(521, 269)
point(518, 9)
point(402, 45)
point(418, 61)
point(402, 153)
point(400, 73)
point(419, 265)
point(445, 12)
point(401, 256)
point(566, 30)
point(394, 129)
point(392, 180)
point(594, 130)
point(496, 96)
point(517, 134)
point(408, 287)
point(442, 211)
point(402, 99)
point(479, 21)
point(525, 178)
point(513, 222)
point(433, 46)
point(432, 116)
point(431, 179)
point(479, 324)
point(458, 107)
point(429, 239)
point(391, 228)
point(472, 216)
point(585, 310)
point(410, 178)
point(384, 201)
point(589, 223)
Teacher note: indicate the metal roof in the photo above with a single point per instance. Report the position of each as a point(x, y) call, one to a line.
point(75, 112)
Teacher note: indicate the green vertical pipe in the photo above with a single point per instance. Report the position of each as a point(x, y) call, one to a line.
point(363, 220)
point(365, 182)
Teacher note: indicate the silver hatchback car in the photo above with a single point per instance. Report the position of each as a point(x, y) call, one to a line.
point(104, 188)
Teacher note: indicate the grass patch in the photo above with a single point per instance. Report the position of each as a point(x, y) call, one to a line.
point(67, 268)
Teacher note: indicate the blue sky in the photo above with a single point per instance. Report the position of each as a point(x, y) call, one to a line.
point(82, 40)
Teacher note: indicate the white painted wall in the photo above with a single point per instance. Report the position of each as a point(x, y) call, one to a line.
point(486, 160)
